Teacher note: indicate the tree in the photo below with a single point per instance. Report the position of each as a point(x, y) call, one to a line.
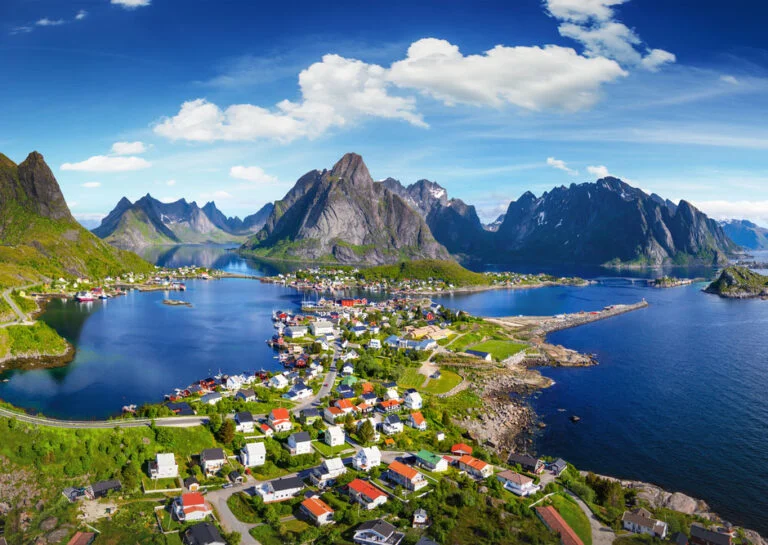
point(214, 422)
point(367, 432)
point(226, 432)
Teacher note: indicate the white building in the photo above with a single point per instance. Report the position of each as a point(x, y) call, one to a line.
point(327, 472)
point(639, 521)
point(212, 460)
point(413, 400)
point(164, 467)
point(374, 344)
point(244, 422)
point(321, 327)
point(299, 443)
point(253, 454)
point(367, 458)
point(377, 532)
point(516, 483)
point(295, 332)
point(280, 489)
point(278, 382)
point(334, 436)
point(392, 424)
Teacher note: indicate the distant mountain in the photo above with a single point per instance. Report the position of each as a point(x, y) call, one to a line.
point(495, 224)
point(609, 222)
point(746, 234)
point(150, 222)
point(343, 215)
point(453, 223)
point(39, 238)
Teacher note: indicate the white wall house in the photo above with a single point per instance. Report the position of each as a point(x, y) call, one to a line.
point(367, 458)
point(517, 484)
point(253, 454)
point(299, 443)
point(334, 436)
point(164, 467)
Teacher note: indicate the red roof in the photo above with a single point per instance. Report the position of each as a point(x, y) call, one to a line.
point(472, 462)
point(316, 506)
point(280, 414)
point(404, 470)
point(461, 448)
point(417, 418)
point(555, 522)
point(81, 538)
point(366, 489)
point(192, 498)
point(390, 403)
point(344, 404)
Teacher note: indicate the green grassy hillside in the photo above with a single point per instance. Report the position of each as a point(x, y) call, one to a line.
point(449, 272)
point(739, 282)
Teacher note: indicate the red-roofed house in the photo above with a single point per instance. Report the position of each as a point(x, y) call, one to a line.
point(476, 468)
point(191, 506)
point(345, 405)
point(280, 420)
point(317, 510)
point(332, 414)
point(417, 420)
point(390, 405)
point(405, 476)
point(552, 520)
point(460, 448)
point(366, 494)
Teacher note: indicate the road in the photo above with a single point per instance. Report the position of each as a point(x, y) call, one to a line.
point(22, 318)
point(601, 534)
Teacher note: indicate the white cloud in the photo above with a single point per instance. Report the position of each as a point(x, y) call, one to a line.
point(45, 21)
point(131, 4)
point(599, 171)
point(128, 148)
point(532, 78)
point(170, 183)
point(592, 23)
point(252, 174)
point(221, 195)
point(82, 14)
point(561, 165)
point(25, 29)
point(106, 163)
point(168, 200)
point(729, 79)
point(92, 184)
point(756, 211)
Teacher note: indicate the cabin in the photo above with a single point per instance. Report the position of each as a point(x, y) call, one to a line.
point(244, 422)
point(367, 458)
point(280, 489)
point(365, 494)
point(192, 484)
point(405, 476)
point(420, 518)
point(101, 488)
point(299, 443)
point(640, 521)
point(317, 511)
point(459, 449)
point(520, 485)
point(487, 356)
point(377, 532)
point(212, 460)
point(527, 463)
point(253, 454)
point(204, 533)
point(163, 467)
point(334, 436)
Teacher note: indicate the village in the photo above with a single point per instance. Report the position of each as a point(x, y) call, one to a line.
point(361, 440)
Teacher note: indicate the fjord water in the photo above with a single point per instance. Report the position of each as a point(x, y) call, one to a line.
point(679, 397)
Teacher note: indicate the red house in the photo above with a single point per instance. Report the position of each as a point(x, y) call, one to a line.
point(460, 449)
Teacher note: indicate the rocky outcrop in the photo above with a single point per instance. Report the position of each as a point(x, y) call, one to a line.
point(609, 222)
point(739, 283)
point(342, 215)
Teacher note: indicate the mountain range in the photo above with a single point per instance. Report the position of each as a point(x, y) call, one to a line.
point(746, 234)
point(149, 222)
point(39, 238)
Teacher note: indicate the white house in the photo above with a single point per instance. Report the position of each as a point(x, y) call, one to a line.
point(321, 327)
point(278, 382)
point(212, 460)
point(392, 424)
point(234, 382)
point(347, 369)
point(431, 461)
point(164, 467)
point(376, 434)
point(280, 489)
point(191, 507)
point(280, 420)
point(334, 436)
point(299, 443)
point(367, 458)
point(244, 422)
point(377, 532)
point(392, 393)
point(366, 494)
point(474, 467)
point(417, 421)
point(327, 472)
point(639, 521)
point(516, 483)
point(295, 332)
point(413, 400)
point(317, 510)
point(298, 391)
point(374, 344)
point(211, 399)
point(246, 395)
point(253, 454)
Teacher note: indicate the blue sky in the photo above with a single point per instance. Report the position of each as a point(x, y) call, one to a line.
point(233, 100)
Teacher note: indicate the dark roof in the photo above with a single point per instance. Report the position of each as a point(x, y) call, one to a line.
point(392, 419)
point(379, 526)
point(679, 538)
point(246, 392)
point(478, 353)
point(717, 538)
point(103, 486)
point(310, 412)
point(244, 417)
point(204, 533)
point(213, 454)
point(287, 483)
point(301, 436)
point(190, 481)
point(560, 463)
point(523, 459)
point(234, 475)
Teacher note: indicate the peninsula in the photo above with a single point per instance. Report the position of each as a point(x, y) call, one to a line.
point(739, 283)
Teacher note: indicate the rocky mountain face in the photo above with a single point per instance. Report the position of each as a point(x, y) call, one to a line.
point(343, 215)
point(495, 224)
point(39, 238)
point(149, 222)
point(608, 222)
point(746, 234)
point(453, 223)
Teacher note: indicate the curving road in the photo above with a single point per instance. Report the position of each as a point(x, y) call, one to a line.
point(601, 534)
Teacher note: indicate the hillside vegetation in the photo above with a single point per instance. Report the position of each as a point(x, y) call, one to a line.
point(449, 272)
point(739, 283)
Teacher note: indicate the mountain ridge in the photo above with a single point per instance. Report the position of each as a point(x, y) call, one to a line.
point(746, 234)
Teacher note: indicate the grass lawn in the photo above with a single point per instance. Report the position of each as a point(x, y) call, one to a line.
point(327, 451)
point(447, 381)
point(268, 471)
point(241, 507)
point(574, 516)
point(159, 484)
point(267, 536)
point(500, 350)
point(411, 378)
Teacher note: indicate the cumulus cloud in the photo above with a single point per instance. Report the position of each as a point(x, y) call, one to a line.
point(128, 148)
point(82, 14)
point(561, 165)
point(600, 171)
point(45, 21)
point(593, 24)
point(170, 183)
point(108, 163)
point(252, 174)
point(532, 78)
point(729, 79)
point(92, 184)
point(339, 92)
point(131, 4)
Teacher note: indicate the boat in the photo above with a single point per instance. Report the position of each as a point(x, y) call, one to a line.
point(84, 296)
point(103, 296)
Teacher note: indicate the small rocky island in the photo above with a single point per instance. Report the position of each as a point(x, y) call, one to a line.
point(739, 283)
point(670, 282)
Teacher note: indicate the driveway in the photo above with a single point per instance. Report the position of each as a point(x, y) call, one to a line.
point(601, 534)
point(218, 499)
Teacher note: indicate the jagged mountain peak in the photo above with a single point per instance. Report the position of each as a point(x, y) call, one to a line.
point(39, 190)
point(352, 168)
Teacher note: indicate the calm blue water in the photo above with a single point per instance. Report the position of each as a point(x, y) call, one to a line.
point(679, 398)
